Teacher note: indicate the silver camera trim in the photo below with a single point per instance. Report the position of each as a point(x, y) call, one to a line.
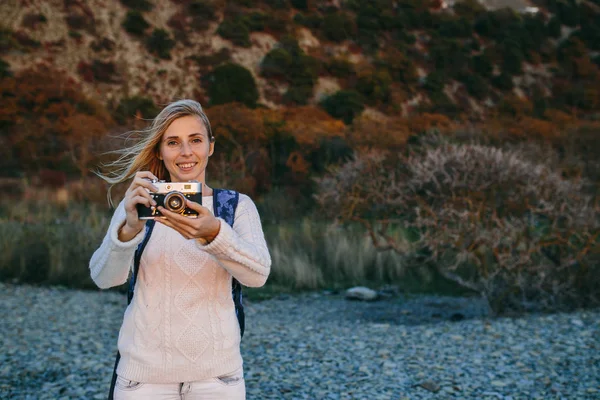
point(166, 187)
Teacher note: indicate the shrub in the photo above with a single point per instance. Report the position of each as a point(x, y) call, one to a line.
point(337, 27)
point(202, 9)
point(243, 3)
point(25, 41)
point(47, 122)
point(340, 67)
point(568, 13)
point(451, 26)
point(278, 4)
point(102, 44)
point(503, 81)
point(311, 21)
point(475, 85)
point(235, 30)
point(78, 20)
point(287, 61)
point(232, 83)
point(32, 20)
point(469, 9)
point(496, 24)
point(276, 63)
point(589, 31)
point(220, 57)
point(441, 104)
point(256, 21)
point(400, 67)
point(99, 71)
point(160, 44)
point(299, 4)
point(131, 107)
point(512, 58)
point(517, 232)
point(138, 5)
point(7, 40)
point(374, 85)
point(449, 56)
point(482, 65)
point(344, 105)
point(202, 13)
point(554, 28)
point(298, 95)
point(434, 82)
point(135, 23)
point(5, 71)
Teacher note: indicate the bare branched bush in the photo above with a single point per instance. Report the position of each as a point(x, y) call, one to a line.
point(495, 220)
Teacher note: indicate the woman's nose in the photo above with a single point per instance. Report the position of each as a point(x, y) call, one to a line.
point(186, 149)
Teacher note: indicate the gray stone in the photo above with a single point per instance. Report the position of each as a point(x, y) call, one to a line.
point(361, 293)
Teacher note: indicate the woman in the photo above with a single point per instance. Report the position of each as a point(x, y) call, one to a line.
point(180, 337)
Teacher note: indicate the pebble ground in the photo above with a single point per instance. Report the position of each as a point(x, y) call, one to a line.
point(58, 343)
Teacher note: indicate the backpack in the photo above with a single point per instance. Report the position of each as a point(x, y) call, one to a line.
point(224, 204)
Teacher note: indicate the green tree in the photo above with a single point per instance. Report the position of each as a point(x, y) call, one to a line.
point(235, 29)
point(138, 5)
point(337, 27)
point(135, 23)
point(375, 85)
point(160, 44)
point(344, 105)
point(554, 28)
point(232, 83)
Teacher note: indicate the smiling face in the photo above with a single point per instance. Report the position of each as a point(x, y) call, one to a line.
point(185, 148)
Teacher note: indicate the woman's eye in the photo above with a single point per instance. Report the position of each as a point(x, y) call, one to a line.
point(171, 143)
point(197, 141)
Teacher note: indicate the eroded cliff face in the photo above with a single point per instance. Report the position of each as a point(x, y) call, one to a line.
point(87, 40)
point(76, 34)
point(90, 43)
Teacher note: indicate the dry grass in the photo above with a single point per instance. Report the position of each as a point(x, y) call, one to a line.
point(315, 255)
point(47, 241)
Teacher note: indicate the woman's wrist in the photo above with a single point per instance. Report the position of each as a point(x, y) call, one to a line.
point(209, 238)
point(126, 233)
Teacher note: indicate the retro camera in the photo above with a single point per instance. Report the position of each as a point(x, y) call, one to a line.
point(172, 196)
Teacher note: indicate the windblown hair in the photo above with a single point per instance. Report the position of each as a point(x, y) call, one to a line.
point(143, 155)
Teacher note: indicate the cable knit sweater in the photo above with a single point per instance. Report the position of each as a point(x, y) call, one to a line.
point(181, 325)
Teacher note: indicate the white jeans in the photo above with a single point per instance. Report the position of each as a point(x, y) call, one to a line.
point(230, 387)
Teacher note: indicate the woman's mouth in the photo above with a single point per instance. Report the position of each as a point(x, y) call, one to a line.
point(187, 166)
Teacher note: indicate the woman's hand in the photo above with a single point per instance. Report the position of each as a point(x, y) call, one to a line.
point(204, 228)
point(137, 193)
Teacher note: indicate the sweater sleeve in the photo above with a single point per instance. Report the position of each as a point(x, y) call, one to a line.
point(111, 262)
point(242, 250)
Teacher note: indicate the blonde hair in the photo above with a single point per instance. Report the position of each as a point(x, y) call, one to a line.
point(143, 155)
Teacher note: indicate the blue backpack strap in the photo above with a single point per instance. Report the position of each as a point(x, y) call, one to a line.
point(225, 203)
point(137, 257)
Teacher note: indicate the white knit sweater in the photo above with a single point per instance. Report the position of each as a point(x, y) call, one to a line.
point(181, 325)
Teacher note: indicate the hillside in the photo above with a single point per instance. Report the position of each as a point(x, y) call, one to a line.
point(401, 57)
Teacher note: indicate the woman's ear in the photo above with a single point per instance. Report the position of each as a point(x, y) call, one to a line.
point(211, 148)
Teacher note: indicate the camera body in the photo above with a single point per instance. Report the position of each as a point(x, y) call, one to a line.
point(172, 196)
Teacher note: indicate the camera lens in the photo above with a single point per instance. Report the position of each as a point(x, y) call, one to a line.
point(175, 202)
